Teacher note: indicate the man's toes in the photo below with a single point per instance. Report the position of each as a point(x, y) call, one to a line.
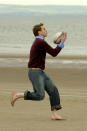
point(13, 99)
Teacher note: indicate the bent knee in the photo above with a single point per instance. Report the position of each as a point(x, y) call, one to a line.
point(41, 96)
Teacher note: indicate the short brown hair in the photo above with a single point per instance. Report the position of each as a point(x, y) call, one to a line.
point(37, 28)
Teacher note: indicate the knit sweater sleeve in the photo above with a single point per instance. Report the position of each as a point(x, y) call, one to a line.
point(52, 51)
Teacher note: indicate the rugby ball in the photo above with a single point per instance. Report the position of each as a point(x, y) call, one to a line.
point(56, 38)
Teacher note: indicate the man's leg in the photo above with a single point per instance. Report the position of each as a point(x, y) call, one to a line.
point(37, 80)
point(54, 98)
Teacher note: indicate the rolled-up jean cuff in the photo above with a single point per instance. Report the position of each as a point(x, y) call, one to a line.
point(25, 95)
point(56, 107)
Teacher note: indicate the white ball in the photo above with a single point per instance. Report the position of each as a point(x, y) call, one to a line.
point(56, 38)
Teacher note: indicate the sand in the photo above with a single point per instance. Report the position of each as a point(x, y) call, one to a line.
point(36, 116)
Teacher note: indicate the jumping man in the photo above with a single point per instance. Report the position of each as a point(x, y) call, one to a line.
point(41, 82)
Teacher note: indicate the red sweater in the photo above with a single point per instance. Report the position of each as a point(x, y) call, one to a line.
point(38, 53)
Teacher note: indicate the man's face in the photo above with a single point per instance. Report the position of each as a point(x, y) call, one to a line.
point(43, 32)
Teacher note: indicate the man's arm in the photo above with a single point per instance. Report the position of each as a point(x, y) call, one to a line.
point(55, 51)
point(52, 51)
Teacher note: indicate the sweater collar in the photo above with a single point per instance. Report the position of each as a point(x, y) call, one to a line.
point(40, 37)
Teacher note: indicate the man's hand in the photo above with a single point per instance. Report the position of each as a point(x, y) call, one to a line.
point(63, 37)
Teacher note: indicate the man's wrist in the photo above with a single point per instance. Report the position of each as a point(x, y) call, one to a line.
point(61, 45)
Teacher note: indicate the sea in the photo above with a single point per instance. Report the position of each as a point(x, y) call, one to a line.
point(16, 36)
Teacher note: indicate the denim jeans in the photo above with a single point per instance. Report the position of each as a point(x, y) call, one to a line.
point(41, 83)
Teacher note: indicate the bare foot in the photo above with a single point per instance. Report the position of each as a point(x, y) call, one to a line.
point(57, 118)
point(14, 98)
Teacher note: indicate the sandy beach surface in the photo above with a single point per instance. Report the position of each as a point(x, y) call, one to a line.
point(36, 115)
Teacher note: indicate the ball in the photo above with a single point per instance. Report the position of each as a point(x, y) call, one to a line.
point(56, 38)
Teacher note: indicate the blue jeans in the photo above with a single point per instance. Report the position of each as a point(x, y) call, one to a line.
point(41, 83)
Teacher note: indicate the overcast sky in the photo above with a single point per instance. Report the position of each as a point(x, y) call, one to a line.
point(44, 2)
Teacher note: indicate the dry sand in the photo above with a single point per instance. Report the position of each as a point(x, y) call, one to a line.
point(36, 116)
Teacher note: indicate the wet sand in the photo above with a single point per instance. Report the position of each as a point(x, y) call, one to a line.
point(36, 116)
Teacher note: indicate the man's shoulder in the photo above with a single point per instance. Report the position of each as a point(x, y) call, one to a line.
point(39, 41)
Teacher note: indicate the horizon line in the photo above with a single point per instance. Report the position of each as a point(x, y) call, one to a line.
point(41, 5)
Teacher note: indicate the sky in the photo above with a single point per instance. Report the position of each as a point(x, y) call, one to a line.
point(45, 2)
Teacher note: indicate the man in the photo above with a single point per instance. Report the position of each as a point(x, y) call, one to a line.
point(40, 80)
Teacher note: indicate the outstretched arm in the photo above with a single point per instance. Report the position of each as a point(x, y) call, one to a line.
point(55, 51)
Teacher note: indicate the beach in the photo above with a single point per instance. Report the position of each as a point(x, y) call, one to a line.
point(71, 82)
point(68, 71)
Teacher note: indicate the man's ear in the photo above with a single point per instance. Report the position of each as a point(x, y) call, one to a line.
point(39, 32)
